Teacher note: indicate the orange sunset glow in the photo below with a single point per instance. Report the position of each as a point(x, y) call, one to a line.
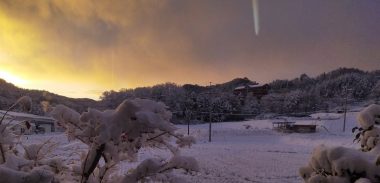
point(82, 48)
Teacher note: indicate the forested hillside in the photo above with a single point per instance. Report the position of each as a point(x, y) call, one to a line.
point(303, 94)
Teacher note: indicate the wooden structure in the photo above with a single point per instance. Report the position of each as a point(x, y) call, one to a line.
point(39, 124)
point(304, 128)
point(283, 126)
point(292, 127)
point(254, 90)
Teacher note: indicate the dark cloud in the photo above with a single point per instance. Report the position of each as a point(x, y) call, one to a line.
point(196, 41)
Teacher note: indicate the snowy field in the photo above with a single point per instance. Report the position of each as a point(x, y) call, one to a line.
point(238, 153)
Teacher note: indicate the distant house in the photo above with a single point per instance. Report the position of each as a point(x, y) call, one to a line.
point(254, 90)
point(24, 123)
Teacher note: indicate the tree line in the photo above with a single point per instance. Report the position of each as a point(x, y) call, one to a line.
point(300, 95)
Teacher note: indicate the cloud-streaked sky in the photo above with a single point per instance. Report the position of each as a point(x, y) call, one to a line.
point(81, 48)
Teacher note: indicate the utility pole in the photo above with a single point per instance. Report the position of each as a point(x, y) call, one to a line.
point(188, 121)
point(210, 115)
point(345, 109)
point(188, 127)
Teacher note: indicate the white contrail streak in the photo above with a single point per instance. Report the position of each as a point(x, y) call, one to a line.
point(255, 7)
point(112, 70)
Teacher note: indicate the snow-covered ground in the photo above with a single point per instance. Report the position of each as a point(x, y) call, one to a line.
point(247, 151)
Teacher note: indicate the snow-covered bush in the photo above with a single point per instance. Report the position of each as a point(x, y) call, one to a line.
point(346, 165)
point(112, 136)
point(118, 135)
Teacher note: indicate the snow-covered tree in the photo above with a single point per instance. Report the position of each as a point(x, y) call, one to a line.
point(359, 83)
point(117, 135)
point(251, 105)
point(292, 101)
point(346, 165)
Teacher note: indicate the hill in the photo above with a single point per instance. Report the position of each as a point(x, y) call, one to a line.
point(9, 93)
point(225, 87)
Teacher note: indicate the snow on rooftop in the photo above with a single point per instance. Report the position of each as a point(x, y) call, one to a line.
point(24, 115)
point(249, 86)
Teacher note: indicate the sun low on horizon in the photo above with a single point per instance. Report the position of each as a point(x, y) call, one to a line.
point(82, 48)
point(12, 78)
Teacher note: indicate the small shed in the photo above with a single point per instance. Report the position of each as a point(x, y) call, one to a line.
point(292, 127)
point(298, 128)
point(38, 124)
point(283, 126)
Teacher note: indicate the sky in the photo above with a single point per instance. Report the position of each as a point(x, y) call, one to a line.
point(82, 48)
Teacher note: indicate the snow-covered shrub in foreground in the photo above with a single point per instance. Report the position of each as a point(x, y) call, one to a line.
point(118, 135)
point(345, 165)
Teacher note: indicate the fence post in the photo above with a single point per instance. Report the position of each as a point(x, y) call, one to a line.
point(210, 115)
point(188, 127)
point(209, 128)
